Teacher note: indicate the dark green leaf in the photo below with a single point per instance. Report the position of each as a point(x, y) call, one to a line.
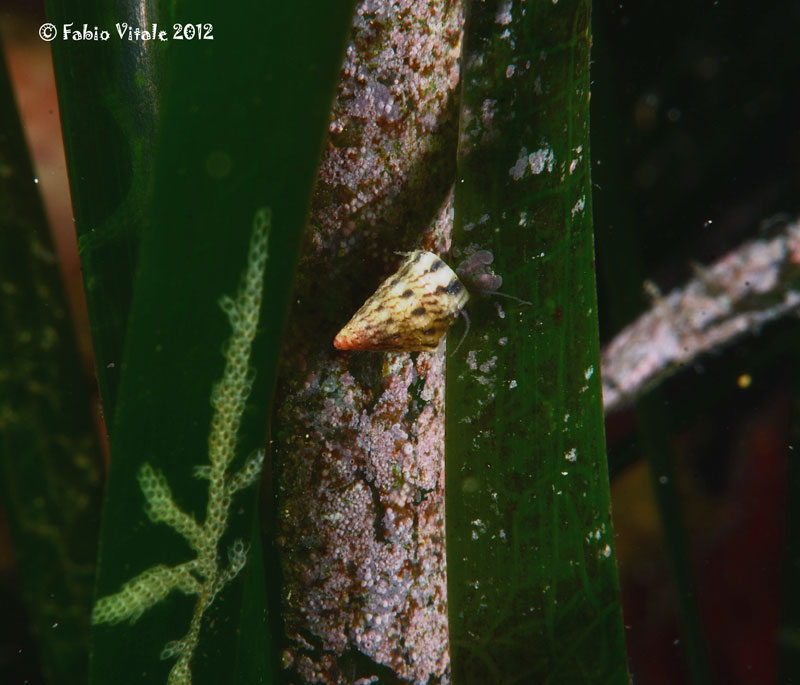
point(49, 457)
point(239, 122)
point(109, 98)
point(532, 587)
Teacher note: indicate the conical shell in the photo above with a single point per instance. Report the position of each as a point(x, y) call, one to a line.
point(411, 310)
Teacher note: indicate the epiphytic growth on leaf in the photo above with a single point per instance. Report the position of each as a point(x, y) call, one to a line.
point(204, 576)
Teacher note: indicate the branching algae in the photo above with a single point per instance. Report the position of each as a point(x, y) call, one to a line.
point(204, 576)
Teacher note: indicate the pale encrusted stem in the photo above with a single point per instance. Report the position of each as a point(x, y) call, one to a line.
point(752, 285)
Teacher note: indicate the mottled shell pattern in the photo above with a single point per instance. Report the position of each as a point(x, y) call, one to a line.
point(410, 311)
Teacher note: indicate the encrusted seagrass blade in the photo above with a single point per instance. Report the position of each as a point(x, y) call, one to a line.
point(411, 310)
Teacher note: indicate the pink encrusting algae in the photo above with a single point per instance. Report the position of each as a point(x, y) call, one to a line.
point(359, 436)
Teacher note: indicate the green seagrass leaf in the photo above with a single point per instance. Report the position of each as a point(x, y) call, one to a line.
point(532, 586)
